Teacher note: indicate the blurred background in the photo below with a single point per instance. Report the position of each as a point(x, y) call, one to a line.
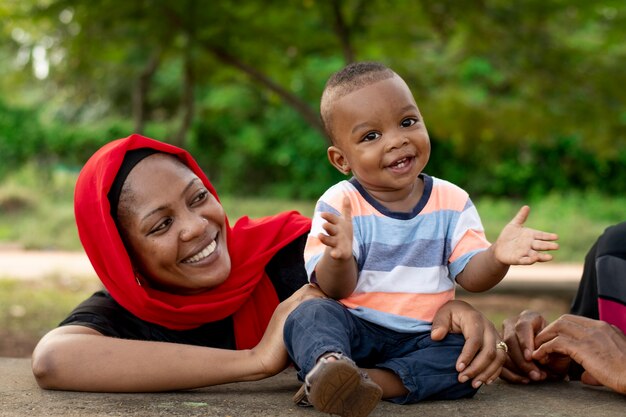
point(524, 102)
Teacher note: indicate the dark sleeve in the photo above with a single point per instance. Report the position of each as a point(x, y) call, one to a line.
point(603, 279)
point(586, 300)
point(597, 282)
point(286, 269)
point(103, 314)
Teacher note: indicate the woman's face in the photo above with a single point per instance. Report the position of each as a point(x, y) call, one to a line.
point(174, 228)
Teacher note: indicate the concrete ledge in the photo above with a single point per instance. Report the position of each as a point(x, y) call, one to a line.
point(20, 396)
point(558, 279)
point(34, 265)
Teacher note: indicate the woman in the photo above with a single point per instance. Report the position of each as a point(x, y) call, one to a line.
point(590, 343)
point(190, 301)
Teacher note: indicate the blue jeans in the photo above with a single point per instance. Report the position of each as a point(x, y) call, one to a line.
point(426, 368)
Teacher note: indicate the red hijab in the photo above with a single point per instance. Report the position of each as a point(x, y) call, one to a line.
point(247, 294)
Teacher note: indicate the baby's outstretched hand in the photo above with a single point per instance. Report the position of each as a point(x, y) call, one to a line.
point(339, 232)
point(519, 245)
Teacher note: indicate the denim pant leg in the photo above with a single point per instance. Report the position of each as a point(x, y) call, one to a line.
point(429, 372)
point(316, 327)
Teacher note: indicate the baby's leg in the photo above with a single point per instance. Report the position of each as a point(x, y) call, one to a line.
point(320, 331)
point(430, 371)
point(314, 328)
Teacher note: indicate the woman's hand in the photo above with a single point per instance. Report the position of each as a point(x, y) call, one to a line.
point(271, 352)
point(519, 334)
point(479, 360)
point(597, 346)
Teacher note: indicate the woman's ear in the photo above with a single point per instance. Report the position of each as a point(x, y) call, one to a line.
point(338, 160)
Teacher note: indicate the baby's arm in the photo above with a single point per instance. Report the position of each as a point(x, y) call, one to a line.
point(516, 245)
point(336, 271)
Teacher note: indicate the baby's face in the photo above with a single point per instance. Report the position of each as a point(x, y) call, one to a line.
point(381, 136)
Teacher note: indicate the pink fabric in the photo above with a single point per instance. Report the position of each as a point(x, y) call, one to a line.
point(613, 313)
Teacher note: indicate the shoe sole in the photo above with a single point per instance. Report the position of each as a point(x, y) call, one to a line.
point(339, 389)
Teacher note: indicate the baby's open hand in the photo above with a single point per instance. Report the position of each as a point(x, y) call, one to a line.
point(339, 229)
point(519, 245)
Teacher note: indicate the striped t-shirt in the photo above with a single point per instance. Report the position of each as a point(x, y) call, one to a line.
point(407, 262)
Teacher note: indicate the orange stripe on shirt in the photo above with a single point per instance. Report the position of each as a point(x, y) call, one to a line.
point(416, 306)
point(313, 246)
point(360, 207)
point(471, 240)
point(445, 197)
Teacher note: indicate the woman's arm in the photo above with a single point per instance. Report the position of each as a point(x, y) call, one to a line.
point(78, 358)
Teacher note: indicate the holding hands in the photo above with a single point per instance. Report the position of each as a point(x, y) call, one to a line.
point(519, 245)
point(600, 348)
point(538, 351)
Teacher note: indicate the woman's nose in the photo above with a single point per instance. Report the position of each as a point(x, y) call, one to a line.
point(193, 226)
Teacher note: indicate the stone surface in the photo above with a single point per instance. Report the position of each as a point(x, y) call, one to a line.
point(20, 396)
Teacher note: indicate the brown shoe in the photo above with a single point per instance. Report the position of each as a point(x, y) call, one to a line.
point(338, 387)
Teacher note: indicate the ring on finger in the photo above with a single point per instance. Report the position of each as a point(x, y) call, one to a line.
point(502, 345)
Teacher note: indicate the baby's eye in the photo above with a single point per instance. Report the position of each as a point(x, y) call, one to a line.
point(371, 136)
point(408, 122)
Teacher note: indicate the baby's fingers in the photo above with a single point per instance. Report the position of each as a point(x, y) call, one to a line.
point(521, 216)
point(346, 209)
point(329, 217)
point(539, 235)
point(332, 229)
point(542, 245)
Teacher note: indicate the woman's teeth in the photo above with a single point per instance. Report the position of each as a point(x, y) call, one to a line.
point(202, 254)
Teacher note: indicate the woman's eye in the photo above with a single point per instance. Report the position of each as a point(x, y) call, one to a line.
point(161, 226)
point(371, 136)
point(408, 122)
point(201, 196)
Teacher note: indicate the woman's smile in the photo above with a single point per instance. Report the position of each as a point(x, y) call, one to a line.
point(203, 254)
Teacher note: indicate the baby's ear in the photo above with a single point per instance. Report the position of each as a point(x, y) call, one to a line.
point(338, 160)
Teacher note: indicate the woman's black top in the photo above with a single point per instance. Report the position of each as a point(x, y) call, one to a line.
point(102, 313)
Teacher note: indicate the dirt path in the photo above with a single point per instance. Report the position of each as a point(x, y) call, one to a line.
point(17, 263)
point(21, 264)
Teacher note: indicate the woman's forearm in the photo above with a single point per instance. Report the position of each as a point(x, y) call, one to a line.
point(80, 359)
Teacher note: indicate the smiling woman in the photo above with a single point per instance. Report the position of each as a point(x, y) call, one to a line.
point(175, 271)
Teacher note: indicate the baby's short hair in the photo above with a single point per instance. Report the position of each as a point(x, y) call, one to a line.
point(353, 77)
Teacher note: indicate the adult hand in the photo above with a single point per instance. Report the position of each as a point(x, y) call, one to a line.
point(519, 334)
point(597, 346)
point(479, 360)
point(271, 350)
point(519, 245)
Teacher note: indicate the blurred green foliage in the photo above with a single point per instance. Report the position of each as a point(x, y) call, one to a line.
point(522, 99)
point(37, 213)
